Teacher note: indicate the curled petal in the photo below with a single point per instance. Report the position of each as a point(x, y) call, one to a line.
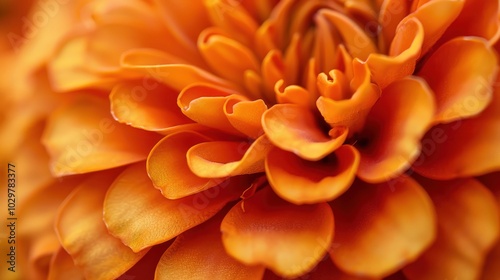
point(300, 181)
point(390, 141)
point(145, 105)
point(468, 225)
point(391, 14)
point(168, 168)
point(294, 129)
point(84, 236)
point(81, 136)
point(458, 80)
point(224, 159)
point(245, 116)
point(193, 248)
point(352, 112)
point(288, 239)
point(206, 105)
point(292, 94)
point(403, 54)
point(436, 16)
point(137, 213)
point(380, 228)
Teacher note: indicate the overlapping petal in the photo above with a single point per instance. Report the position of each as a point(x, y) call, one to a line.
point(380, 228)
point(262, 233)
point(62, 267)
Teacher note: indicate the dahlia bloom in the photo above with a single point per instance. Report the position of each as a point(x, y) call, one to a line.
point(266, 139)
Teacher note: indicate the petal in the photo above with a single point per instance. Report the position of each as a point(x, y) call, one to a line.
point(351, 112)
point(468, 225)
point(436, 16)
point(146, 267)
point(403, 54)
point(193, 248)
point(168, 168)
point(140, 216)
point(84, 236)
point(397, 122)
point(463, 148)
point(245, 116)
point(146, 106)
point(391, 14)
point(491, 269)
point(299, 181)
point(359, 44)
point(292, 94)
point(288, 239)
point(380, 228)
point(206, 105)
point(226, 159)
point(294, 129)
point(63, 268)
point(82, 137)
point(228, 58)
point(457, 79)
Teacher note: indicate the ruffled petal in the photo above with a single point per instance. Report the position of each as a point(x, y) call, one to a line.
point(146, 105)
point(380, 228)
point(245, 116)
point(463, 148)
point(436, 16)
point(84, 236)
point(462, 87)
point(468, 225)
point(300, 181)
point(293, 128)
point(192, 249)
point(168, 168)
point(288, 239)
point(224, 159)
point(81, 136)
point(390, 141)
point(351, 112)
point(403, 54)
point(140, 216)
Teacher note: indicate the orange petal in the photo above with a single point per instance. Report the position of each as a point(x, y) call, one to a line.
point(351, 112)
point(140, 216)
point(294, 129)
point(458, 80)
point(168, 168)
point(300, 181)
point(82, 137)
point(391, 14)
point(193, 248)
point(380, 228)
point(63, 268)
point(292, 94)
point(463, 148)
point(397, 122)
point(206, 105)
point(436, 16)
point(147, 105)
point(245, 116)
point(84, 236)
point(359, 44)
point(403, 54)
point(227, 57)
point(273, 70)
point(146, 267)
point(288, 239)
point(468, 225)
point(224, 158)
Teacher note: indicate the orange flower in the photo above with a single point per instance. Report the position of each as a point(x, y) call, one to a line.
point(235, 139)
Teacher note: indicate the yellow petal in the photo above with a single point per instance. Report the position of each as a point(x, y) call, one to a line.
point(294, 129)
point(140, 216)
point(380, 228)
point(146, 105)
point(458, 80)
point(300, 181)
point(390, 141)
point(84, 236)
point(193, 248)
point(168, 168)
point(288, 239)
point(81, 136)
point(226, 159)
point(468, 225)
